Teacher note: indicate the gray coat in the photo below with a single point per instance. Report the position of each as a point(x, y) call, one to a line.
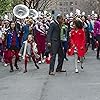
point(26, 49)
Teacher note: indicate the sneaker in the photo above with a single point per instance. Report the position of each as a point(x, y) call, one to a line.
point(76, 70)
point(39, 62)
point(5, 65)
point(43, 61)
point(78, 61)
point(52, 73)
point(95, 49)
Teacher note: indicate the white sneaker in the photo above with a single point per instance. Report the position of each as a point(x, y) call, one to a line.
point(76, 70)
point(43, 61)
point(78, 61)
point(95, 49)
point(39, 62)
point(5, 65)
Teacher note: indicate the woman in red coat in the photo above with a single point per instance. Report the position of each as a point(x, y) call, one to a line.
point(77, 39)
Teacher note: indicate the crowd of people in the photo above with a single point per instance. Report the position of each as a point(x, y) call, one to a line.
point(42, 39)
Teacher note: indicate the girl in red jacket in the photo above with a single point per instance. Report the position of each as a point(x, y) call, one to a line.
point(77, 40)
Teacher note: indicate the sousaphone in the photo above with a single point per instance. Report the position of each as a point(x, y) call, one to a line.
point(21, 11)
point(33, 14)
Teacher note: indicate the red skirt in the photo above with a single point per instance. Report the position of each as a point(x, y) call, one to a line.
point(9, 54)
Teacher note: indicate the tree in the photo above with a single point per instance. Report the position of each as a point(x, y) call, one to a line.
point(16, 2)
point(44, 4)
point(31, 4)
point(36, 4)
point(4, 6)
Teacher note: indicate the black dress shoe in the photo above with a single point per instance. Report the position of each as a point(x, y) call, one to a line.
point(98, 58)
point(66, 59)
point(11, 70)
point(16, 66)
point(60, 70)
point(25, 71)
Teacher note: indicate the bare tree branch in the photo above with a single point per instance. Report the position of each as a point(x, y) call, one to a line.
point(44, 5)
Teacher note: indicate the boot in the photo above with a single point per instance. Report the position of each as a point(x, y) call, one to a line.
point(35, 63)
point(16, 64)
point(25, 67)
point(36, 66)
point(11, 68)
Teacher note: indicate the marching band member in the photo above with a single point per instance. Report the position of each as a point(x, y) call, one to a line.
point(29, 50)
point(77, 40)
point(12, 45)
point(91, 30)
point(86, 28)
point(1, 46)
point(5, 28)
point(26, 29)
point(40, 38)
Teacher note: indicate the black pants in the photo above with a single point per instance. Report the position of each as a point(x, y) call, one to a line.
point(56, 48)
point(93, 41)
point(98, 50)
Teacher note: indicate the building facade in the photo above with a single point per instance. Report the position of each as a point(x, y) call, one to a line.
point(67, 6)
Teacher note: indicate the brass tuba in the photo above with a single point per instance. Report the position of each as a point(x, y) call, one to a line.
point(21, 11)
point(33, 14)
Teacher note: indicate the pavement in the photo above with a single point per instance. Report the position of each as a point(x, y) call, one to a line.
point(38, 85)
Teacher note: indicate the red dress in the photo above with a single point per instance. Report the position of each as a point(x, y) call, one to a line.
point(78, 40)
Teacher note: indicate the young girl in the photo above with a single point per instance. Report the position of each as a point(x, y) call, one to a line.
point(29, 50)
point(77, 40)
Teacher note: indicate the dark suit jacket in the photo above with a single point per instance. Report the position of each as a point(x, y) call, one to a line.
point(53, 32)
point(53, 37)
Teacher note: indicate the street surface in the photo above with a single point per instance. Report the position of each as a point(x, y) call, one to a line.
point(38, 85)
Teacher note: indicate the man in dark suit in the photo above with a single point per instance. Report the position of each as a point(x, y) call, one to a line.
point(54, 43)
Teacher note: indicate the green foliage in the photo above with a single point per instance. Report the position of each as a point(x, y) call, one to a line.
point(16, 2)
point(4, 6)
